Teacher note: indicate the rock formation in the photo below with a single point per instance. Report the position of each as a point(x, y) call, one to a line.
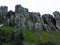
point(27, 20)
point(3, 13)
point(49, 22)
point(23, 19)
point(57, 18)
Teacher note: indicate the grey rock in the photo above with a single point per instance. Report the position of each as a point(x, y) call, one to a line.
point(57, 18)
point(49, 20)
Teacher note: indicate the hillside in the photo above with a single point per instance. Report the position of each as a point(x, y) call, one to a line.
point(34, 37)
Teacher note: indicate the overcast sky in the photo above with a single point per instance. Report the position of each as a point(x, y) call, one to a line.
point(42, 6)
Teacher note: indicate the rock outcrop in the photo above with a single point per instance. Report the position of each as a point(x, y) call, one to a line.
point(3, 13)
point(23, 19)
point(49, 22)
point(27, 20)
point(57, 18)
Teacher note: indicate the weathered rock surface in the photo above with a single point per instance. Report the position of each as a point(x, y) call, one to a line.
point(57, 18)
point(23, 19)
point(49, 22)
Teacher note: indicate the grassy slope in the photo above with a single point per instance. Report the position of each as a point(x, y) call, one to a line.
point(35, 37)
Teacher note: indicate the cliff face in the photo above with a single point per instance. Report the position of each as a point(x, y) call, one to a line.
point(23, 19)
point(57, 18)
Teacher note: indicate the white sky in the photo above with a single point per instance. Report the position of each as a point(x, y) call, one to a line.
point(42, 6)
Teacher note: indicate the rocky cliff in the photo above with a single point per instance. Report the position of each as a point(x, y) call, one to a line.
point(23, 19)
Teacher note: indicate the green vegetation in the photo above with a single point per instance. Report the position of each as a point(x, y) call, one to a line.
point(34, 37)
